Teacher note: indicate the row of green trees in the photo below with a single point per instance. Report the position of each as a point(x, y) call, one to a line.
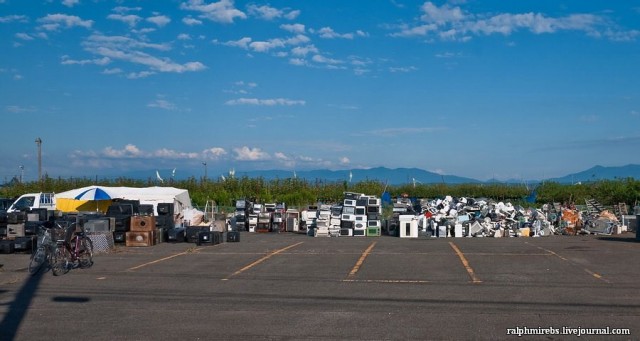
point(301, 192)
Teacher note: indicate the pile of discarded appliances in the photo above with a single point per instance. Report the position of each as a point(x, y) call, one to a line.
point(360, 215)
point(481, 217)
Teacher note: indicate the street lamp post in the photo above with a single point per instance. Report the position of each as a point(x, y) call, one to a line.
point(205, 170)
point(39, 144)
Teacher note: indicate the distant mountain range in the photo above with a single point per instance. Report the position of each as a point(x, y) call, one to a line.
point(399, 176)
point(601, 173)
point(394, 176)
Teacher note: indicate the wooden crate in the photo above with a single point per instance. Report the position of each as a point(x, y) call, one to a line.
point(140, 238)
point(143, 223)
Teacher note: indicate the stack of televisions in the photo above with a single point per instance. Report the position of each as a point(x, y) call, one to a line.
point(360, 215)
point(18, 230)
point(214, 233)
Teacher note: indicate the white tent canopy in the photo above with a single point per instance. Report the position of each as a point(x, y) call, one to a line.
point(147, 195)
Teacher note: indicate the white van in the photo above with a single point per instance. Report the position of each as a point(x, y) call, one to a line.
point(34, 200)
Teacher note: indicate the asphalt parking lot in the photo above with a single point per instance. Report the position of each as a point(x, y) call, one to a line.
point(294, 287)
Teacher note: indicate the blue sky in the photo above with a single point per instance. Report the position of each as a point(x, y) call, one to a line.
point(482, 89)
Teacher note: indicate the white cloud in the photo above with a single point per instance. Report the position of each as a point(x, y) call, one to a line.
point(18, 109)
point(159, 20)
point(129, 19)
point(420, 30)
point(53, 22)
point(297, 62)
point(14, 18)
point(24, 36)
point(264, 12)
point(292, 15)
point(329, 33)
point(70, 3)
point(441, 15)
point(124, 9)
point(293, 28)
point(130, 50)
point(222, 11)
point(141, 74)
point(214, 153)
point(241, 43)
point(325, 60)
point(344, 160)
point(191, 21)
point(172, 154)
point(100, 61)
point(265, 46)
point(403, 69)
point(113, 71)
point(304, 50)
point(297, 40)
point(281, 156)
point(184, 36)
point(265, 102)
point(451, 23)
point(250, 154)
point(267, 12)
point(162, 104)
point(448, 55)
point(129, 151)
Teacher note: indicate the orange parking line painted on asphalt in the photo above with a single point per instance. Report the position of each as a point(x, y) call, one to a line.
point(261, 260)
point(594, 274)
point(361, 260)
point(465, 263)
point(160, 260)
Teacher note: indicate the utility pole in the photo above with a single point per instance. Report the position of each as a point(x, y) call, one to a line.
point(39, 144)
point(21, 173)
point(205, 170)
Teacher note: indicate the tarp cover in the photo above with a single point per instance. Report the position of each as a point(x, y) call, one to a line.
point(66, 201)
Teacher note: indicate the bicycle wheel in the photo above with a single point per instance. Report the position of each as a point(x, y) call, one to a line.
point(60, 261)
point(37, 259)
point(85, 254)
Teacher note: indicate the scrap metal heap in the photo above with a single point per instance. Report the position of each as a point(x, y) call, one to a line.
point(481, 217)
point(361, 215)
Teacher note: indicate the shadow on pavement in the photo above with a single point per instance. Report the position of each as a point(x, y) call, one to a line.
point(19, 306)
point(619, 239)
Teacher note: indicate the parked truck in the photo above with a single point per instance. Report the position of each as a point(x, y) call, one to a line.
point(34, 200)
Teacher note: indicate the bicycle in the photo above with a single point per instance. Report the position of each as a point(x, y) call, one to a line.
point(74, 250)
point(42, 254)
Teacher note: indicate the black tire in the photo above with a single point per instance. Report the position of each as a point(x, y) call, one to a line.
point(85, 254)
point(60, 264)
point(38, 258)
